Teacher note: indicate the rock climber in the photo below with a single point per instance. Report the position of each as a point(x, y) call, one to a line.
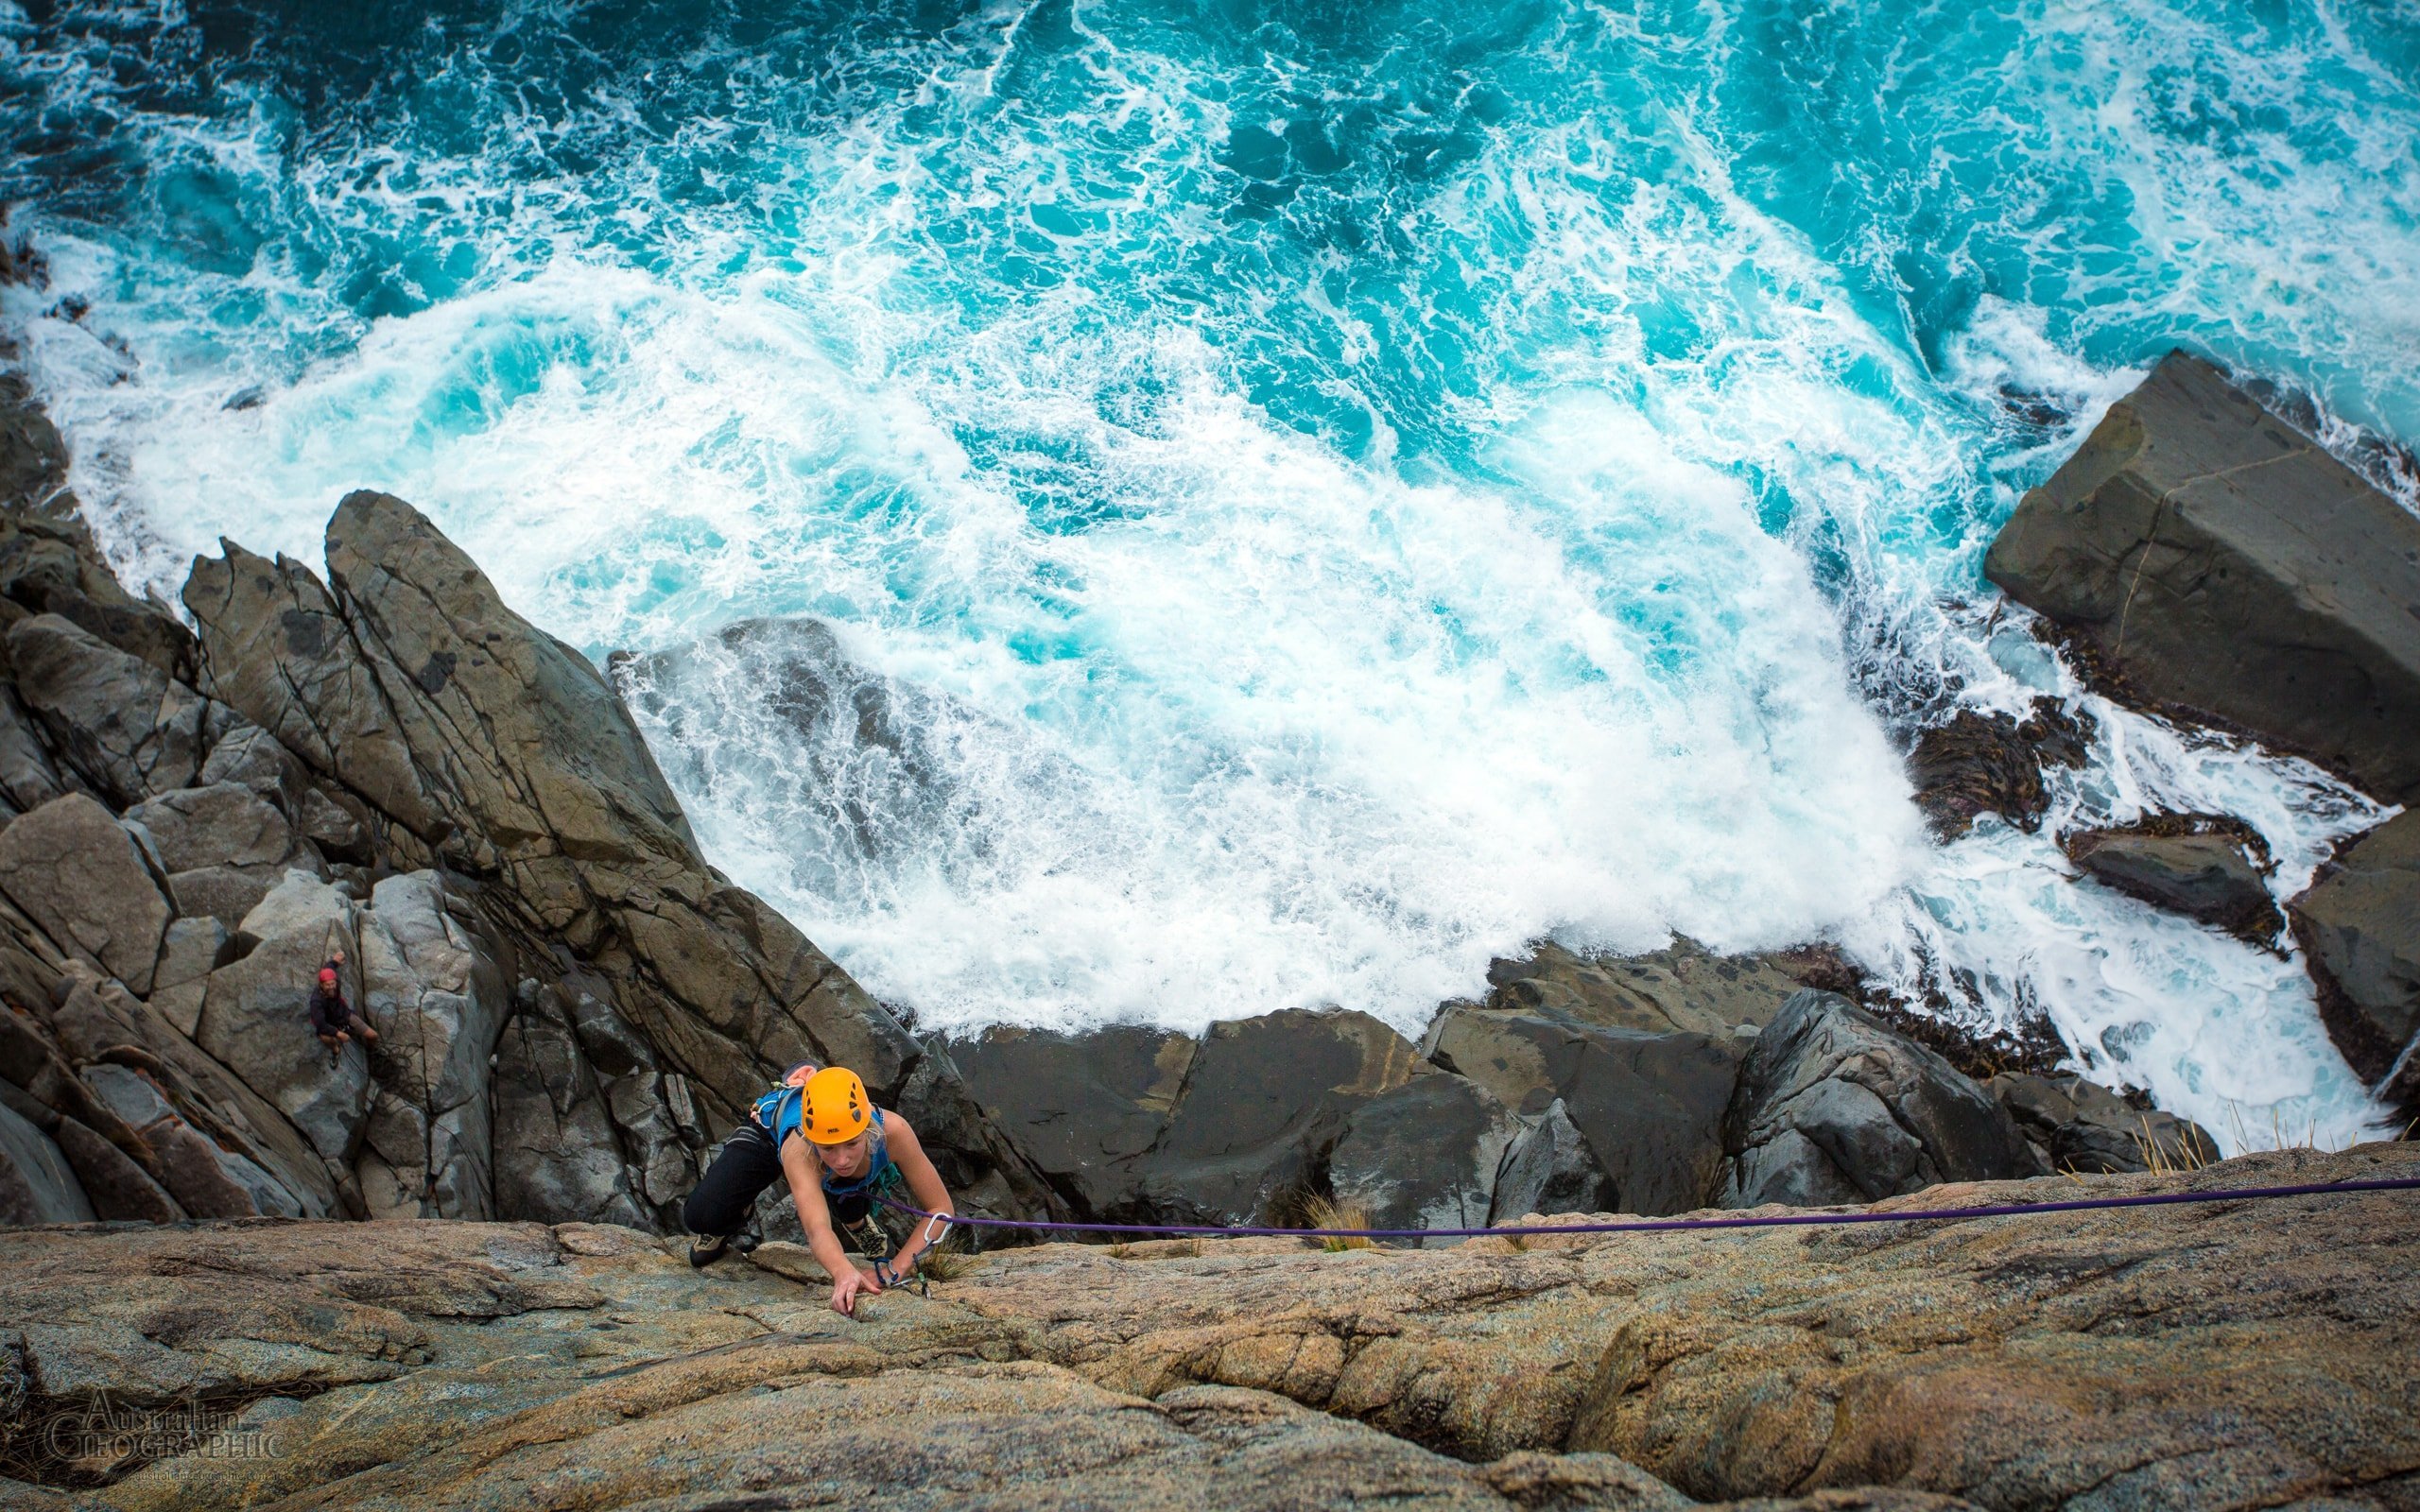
point(821, 1129)
point(333, 1019)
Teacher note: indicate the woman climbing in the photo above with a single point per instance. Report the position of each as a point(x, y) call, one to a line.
point(821, 1129)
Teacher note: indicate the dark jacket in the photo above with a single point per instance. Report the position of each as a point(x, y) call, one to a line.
point(330, 1012)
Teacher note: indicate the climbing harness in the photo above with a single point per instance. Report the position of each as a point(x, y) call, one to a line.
point(1787, 1220)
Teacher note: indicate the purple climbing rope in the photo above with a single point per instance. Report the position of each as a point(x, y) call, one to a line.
point(1787, 1220)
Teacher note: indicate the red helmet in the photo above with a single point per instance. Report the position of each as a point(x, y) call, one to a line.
point(327, 976)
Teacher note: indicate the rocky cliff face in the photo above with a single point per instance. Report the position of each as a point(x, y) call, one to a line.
point(391, 764)
point(2231, 1356)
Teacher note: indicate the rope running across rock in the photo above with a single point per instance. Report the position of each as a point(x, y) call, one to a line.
point(1787, 1220)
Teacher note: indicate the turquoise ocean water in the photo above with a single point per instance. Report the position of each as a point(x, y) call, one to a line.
point(1307, 497)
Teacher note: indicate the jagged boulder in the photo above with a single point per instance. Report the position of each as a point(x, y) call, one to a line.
point(279, 650)
point(1975, 764)
point(255, 1014)
point(437, 997)
point(191, 950)
point(207, 1180)
point(224, 847)
point(2074, 1125)
point(1132, 1125)
point(1265, 1102)
point(1551, 1168)
point(28, 778)
point(1650, 1105)
point(1833, 1107)
point(479, 740)
point(129, 728)
point(81, 876)
point(120, 1190)
point(49, 565)
point(2217, 563)
point(2359, 931)
point(1424, 1155)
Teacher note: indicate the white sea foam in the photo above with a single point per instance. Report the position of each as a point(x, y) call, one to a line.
point(1304, 581)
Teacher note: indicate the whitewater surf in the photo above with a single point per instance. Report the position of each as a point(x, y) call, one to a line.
point(1161, 513)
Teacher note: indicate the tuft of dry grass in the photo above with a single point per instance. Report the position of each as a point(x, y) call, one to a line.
point(944, 1261)
point(2185, 1155)
point(1326, 1213)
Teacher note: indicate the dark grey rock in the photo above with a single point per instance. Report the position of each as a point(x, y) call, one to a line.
point(2079, 1126)
point(1265, 1101)
point(119, 1189)
point(2359, 931)
point(1086, 1109)
point(1551, 1168)
point(1683, 988)
point(199, 1177)
point(2217, 563)
point(2206, 877)
point(1423, 1156)
point(1832, 1108)
point(49, 565)
point(28, 778)
point(1651, 1106)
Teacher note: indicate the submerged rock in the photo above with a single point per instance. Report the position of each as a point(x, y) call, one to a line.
point(2206, 873)
point(1979, 764)
point(2221, 565)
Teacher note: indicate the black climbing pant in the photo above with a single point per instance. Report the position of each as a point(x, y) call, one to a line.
point(727, 1193)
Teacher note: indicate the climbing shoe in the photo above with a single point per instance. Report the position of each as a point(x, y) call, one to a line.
point(706, 1249)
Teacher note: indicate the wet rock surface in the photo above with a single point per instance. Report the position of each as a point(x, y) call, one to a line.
point(1978, 763)
point(2227, 1356)
point(2211, 870)
point(2218, 564)
point(2359, 930)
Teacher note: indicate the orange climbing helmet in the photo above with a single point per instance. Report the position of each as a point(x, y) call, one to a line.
point(834, 1107)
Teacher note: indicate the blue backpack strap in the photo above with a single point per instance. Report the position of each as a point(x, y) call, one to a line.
point(779, 1112)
